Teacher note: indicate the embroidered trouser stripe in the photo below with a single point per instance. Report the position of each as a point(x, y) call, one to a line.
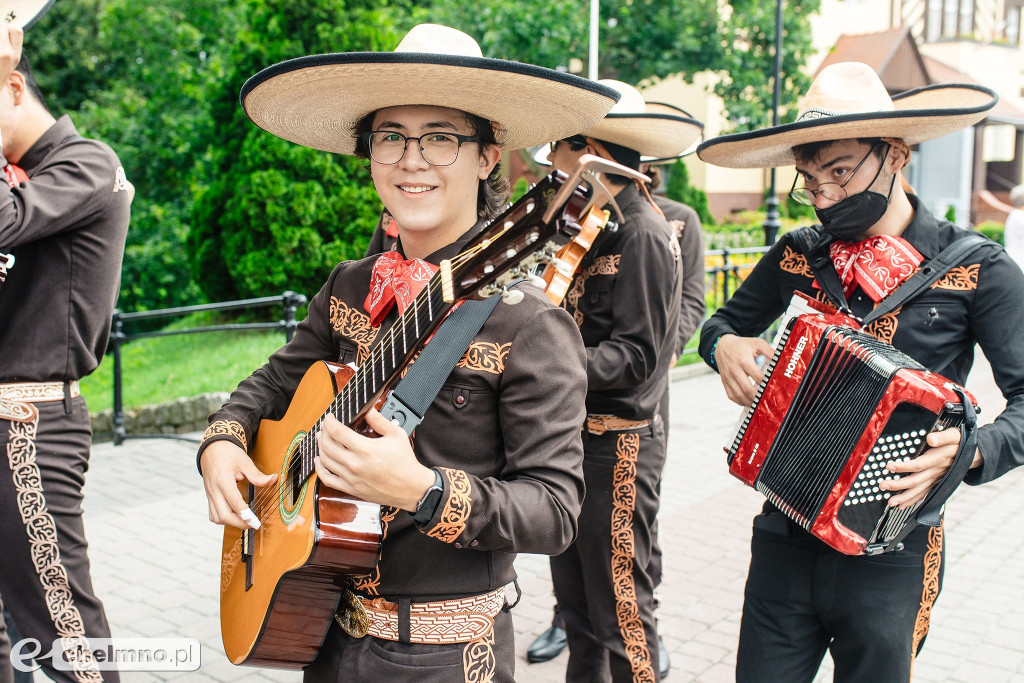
point(44, 569)
point(930, 588)
point(601, 582)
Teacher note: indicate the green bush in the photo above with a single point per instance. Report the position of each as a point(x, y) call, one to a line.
point(992, 230)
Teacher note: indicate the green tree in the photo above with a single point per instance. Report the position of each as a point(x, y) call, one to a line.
point(640, 40)
point(747, 35)
point(678, 187)
point(272, 214)
point(138, 80)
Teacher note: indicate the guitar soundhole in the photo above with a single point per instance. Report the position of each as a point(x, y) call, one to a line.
point(293, 485)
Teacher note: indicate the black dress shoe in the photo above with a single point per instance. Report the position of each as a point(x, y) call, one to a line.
point(663, 662)
point(548, 645)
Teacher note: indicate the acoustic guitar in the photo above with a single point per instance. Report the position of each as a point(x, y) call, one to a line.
point(281, 584)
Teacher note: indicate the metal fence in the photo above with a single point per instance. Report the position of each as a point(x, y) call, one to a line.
point(724, 277)
point(290, 301)
point(726, 273)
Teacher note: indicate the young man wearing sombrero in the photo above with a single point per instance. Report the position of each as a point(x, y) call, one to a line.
point(64, 213)
point(626, 303)
point(849, 144)
point(495, 466)
point(685, 225)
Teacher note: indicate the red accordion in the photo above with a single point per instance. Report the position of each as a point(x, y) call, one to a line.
point(835, 406)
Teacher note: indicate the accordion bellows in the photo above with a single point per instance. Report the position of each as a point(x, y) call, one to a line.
point(835, 406)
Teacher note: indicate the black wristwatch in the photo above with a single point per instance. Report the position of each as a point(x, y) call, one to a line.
point(427, 506)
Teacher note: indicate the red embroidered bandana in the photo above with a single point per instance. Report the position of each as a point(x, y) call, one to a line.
point(878, 264)
point(395, 280)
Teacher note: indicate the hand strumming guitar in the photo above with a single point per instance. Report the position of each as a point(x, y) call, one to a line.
point(224, 464)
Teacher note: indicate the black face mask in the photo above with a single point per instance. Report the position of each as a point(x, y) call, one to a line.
point(849, 219)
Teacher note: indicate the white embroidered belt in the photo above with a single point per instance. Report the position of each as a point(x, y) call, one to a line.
point(461, 620)
point(38, 392)
point(599, 424)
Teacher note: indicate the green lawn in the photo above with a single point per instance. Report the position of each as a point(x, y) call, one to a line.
point(165, 368)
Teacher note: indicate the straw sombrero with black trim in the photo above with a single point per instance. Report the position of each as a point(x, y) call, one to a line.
point(23, 13)
point(847, 100)
point(316, 101)
point(660, 121)
point(654, 134)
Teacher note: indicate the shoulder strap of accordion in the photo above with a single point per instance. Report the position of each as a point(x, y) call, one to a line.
point(928, 274)
point(930, 512)
point(813, 243)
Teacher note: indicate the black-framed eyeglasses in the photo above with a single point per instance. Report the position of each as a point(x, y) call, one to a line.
point(834, 192)
point(438, 149)
point(575, 142)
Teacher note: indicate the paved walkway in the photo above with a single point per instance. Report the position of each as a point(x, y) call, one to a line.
point(155, 557)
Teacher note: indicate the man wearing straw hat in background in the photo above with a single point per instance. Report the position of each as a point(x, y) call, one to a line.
point(626, 303)
point(64, 212)
point(495, 467)
point(850, 144)
point(686, 227)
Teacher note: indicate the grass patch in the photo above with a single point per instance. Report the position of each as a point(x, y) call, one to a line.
point(165, 368)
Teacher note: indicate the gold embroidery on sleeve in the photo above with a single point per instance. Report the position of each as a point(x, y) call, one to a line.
point(228, 427)
point(456, 508)
point(793, 262)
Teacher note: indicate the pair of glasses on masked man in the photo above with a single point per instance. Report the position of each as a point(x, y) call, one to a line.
point(438, 149)
point(834, 192)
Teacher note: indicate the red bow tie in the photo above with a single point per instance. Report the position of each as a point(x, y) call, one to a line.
point(878, 264)
point(395, 280)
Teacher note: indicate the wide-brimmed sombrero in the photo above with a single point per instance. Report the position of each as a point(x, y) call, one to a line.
point(23, 13)
point(655, 134)
point(664, 120)
point(315, 101)
point(848, 100)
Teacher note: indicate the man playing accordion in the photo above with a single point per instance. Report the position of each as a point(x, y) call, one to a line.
point(850, 144)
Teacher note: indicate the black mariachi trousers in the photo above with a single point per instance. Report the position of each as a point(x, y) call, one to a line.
point(602, 585)
point(44, 565)
point(802, 597)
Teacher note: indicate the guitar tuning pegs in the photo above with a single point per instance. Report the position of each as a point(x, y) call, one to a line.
point(537, 281)
point(511, 296)
point(562, 267)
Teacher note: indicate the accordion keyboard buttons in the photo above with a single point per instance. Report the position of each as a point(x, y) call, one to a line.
point(892, 447)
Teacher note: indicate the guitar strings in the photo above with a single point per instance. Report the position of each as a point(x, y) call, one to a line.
point(307, 448)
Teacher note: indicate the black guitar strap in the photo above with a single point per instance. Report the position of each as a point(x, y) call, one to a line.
point(408, 402)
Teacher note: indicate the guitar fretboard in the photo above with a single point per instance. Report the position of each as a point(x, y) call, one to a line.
point(390, 352)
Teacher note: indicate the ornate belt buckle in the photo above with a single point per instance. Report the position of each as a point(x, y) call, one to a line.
point(351, 615)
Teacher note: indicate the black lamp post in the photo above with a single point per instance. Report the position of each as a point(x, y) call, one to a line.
point(771, 218)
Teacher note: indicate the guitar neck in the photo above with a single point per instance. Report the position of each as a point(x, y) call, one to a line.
point(379, 372)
